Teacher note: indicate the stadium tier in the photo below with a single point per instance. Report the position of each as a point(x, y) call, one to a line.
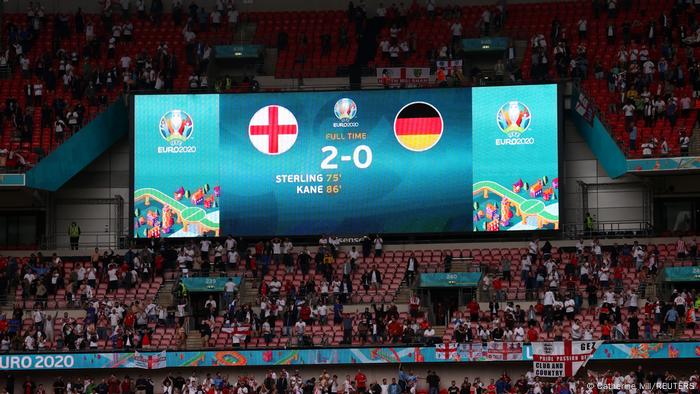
point(425, 197)
point(295, 299)
point(69, 67)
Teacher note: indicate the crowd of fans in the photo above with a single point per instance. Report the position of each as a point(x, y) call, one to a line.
point(286, 310)
point(653, 78)
point(639, 380)
point(580, 293)
point(558, 286)
point(106, 322)
point(92, 58)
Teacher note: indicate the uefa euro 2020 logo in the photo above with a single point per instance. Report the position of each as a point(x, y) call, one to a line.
point(513, 118)
point(345, 109)
point(176, 126)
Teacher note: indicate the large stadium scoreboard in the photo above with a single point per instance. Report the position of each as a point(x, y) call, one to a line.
point(346, 162)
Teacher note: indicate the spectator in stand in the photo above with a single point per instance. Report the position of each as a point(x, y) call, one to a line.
point(411, 269)
point(633, 138)
point(647, 149)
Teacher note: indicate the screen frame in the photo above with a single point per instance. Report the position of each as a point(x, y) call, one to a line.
point(392, 237)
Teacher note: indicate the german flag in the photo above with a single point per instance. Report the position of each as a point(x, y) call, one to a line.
point(418, 126)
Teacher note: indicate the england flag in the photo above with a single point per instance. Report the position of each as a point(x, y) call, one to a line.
point(273, 130)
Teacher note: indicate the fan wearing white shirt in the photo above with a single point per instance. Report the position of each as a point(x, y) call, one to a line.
point(204, 249)
point(230, 243)
point(456, 30)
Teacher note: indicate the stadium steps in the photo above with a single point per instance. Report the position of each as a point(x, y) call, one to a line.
point(7, 299)
point(245, 33)
point(194, 340)
point(520, 49)
point(270, 61)
point(403, 295)
point(440, 331)
point(165, 293)
point(459, 265)
point(695, 141)
point(248, 292)
point(647, 290)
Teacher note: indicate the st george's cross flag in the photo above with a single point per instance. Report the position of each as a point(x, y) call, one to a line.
point(446, 351)
point(273, 130)
point(563, 358)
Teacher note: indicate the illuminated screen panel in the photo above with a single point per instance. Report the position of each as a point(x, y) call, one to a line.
point(516, 162)
point(390, 161)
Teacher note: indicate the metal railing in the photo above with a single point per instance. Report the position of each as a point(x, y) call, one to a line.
point(88, 240)
point(616, 229)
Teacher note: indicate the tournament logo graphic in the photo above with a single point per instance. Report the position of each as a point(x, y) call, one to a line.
point(345, 109)
point(273, 130)
point(513, 118)
point(176, 126)
point(418, 126)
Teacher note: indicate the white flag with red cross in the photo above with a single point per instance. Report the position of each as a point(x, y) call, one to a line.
point(561, 359)
point(446, 351)
point(273, 130)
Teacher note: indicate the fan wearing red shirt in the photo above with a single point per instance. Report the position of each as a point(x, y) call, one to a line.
point(605, 331)
point(473, 310)
point(532, 334)
point(498, 287)
point(305, 314)
point(28, 386)
point(159, 264)
point(491, 388)
point(129, 320)
point(395, 330)
point(113, 385)
point(618, 273)
point(146, 340)
point(361, 381)
point(126, 386)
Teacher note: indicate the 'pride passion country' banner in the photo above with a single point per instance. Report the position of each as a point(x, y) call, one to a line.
point(560, 359)
point(469, 352)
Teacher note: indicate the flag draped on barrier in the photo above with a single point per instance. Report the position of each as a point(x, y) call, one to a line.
point(150, 361)
point(584, 107)
point(561, 359)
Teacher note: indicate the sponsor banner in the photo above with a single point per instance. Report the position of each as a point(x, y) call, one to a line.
point(454, 279)
point(664, 164)
point(201, 284)
point(561, 359)
point(12, 180)
point(407, 76)
point(682, 274)
point(485, 44)
point(450, 66)
point(245, 51)
point(471, 352)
